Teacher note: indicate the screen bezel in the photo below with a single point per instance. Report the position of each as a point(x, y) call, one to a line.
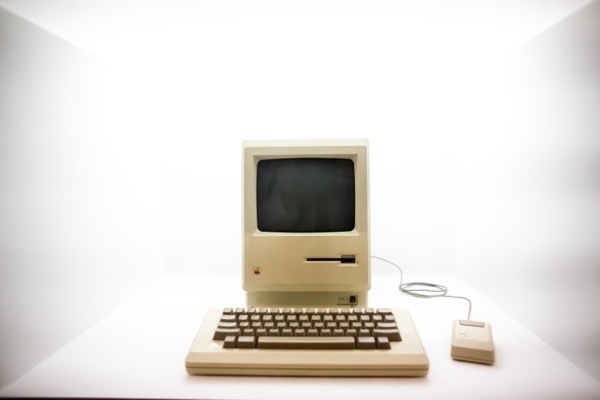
point(315, 194)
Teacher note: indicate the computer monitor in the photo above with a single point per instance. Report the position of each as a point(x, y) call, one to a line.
point(306, 223)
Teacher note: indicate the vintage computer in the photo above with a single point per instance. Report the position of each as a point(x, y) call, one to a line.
point(306, 223)
point(306, 273)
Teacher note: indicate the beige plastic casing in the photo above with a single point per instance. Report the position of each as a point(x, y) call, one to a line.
point(405, 358)
point(275, 270)
point(472, 341)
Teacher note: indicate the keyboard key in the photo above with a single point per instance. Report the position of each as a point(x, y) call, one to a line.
point(227, 318)
point(222, 333)
point(230, 342)
point(304, 318)
point(261, 332)
point(387, 325)
point(392, 334)
point(306, 342)
point(383, 343)
point(365, 342)
point(246, 342)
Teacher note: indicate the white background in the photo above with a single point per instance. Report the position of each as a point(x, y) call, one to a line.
point(121, 147)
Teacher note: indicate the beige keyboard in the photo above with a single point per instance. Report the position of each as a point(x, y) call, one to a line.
point(307, 342)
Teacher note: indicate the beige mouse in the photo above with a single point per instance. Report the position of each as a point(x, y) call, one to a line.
point(472, 341)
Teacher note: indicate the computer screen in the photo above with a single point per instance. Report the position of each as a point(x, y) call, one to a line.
point(305, 195)
point(306, 222)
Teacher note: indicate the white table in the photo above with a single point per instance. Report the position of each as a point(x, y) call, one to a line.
point(139, 350)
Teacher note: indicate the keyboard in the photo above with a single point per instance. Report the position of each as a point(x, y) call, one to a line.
point(307, 342)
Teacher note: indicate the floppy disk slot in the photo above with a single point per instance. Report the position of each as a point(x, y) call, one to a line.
point(342, 259)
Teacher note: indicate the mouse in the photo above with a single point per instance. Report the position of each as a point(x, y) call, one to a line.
point(472, 341)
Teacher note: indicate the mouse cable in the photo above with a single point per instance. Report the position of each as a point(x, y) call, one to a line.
point(423, 290)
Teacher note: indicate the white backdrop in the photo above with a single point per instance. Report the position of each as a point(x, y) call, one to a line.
point(140, 171)
point(185, 82)
point(406, 77)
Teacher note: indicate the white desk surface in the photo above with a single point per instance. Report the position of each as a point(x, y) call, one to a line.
point(138, 351)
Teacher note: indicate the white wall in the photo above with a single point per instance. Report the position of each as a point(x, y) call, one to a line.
point(80, 227)
point(180, 90)
point(195, 78)
point(528, 230)
point(403, 75)
point(255, 73)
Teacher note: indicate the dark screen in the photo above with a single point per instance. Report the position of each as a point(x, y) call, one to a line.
point(305, 195)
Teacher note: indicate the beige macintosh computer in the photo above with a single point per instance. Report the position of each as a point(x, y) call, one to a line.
point(306, 274)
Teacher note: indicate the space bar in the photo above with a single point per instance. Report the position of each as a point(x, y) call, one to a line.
point(306, 342)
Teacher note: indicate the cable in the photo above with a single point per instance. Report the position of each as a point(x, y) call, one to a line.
point(424, 290)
